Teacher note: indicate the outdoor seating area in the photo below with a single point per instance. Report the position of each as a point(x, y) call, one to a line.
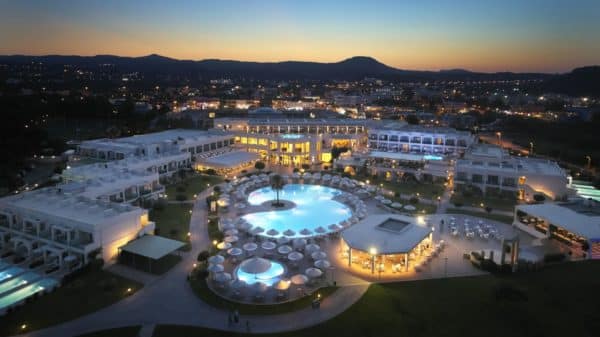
point(249, 268)
point(474, 230)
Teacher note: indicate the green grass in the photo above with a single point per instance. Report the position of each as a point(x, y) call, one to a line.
point(88, 293)
point(496, 217)
point(557, 301)
point(172, 221)
point(208, 296)
point(192, 185)
point(501, 204)
point(129, 331)
point(425, 190)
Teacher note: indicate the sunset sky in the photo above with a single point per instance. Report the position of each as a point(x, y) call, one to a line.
point(483, 35)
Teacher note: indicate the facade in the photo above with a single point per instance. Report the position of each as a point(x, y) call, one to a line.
point(63, 229)
point(285, 149)
point(175, 141)
point(294, 125)
point(399, 137)
point(575, 224)
point(491, 169)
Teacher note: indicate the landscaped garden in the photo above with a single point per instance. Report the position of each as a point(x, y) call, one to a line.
point(556, 301)
point(172, 220)
point(188, 187)
point(87, 293)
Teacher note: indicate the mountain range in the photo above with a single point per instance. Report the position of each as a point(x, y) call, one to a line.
point(353, 68)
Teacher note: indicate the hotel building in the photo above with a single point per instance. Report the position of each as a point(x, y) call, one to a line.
point(491, 169)
point(62, 228)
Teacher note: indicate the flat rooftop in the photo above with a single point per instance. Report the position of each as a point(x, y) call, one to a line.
point(386, 233)
point(580, 217)
point(55, 203)
point(230, 159)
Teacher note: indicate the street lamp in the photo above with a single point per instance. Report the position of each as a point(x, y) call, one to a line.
point(530, 148)
point(499, 135)
point(589, 161)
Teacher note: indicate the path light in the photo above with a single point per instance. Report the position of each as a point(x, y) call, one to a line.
point(129, 290)
point(189, 234)
point(23, 326)
point(214, 242)
point(190, 211)
point(367, 181)
point(195, 265)
point(481, 204)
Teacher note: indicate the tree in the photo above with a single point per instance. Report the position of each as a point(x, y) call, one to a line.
point(259, 165)
point(412, 119)
point(336, 152)
point(277, 184)
point(305, 166)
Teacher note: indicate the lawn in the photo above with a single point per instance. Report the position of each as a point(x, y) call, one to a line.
point(203, 292)
point(496, 217)
point(502, 204)
point(129, 331)
point(425, 190)
point(90, 292)
point(191, 186)
point(172, 220)
point(556, 301)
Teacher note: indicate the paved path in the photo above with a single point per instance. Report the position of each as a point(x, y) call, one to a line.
point(169, 300)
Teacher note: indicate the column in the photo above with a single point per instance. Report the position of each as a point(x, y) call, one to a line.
point(406, 261)
point(349, 257)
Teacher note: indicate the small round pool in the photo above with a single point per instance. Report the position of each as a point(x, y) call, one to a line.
point(259, 270)
point(314, 207)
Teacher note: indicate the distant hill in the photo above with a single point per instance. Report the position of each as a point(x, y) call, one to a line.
point(350, 69)
point(583, 81)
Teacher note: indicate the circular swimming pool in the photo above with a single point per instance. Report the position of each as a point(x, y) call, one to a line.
point(314, 208)
point(259, 270)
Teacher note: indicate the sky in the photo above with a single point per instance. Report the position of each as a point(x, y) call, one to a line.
point(481, 35)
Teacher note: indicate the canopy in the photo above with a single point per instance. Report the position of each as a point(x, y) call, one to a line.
point(152, 246)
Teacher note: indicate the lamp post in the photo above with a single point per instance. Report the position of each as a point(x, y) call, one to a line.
point(530, 148)
point(589, 161)
point(499, 135)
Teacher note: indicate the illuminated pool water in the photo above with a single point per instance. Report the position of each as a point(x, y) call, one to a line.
point(22, 293)
point(292, 136)
point(259, 270)
point(10, 272)
point(18, 281)
point(314, 208)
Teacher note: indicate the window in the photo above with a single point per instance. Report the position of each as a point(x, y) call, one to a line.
point(426, 140)
point(493, 180)
point(477, 178)
point(415, 140)
point(394, 138)
point(509, 182)
point(404, 139)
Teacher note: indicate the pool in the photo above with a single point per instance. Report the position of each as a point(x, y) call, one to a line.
point(291, 136)
point(314, 208)
point(21, 294)
point(259, 270)
point(10, 272)
point(18, 281)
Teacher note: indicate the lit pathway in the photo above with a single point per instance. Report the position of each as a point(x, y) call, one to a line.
point(169, 300)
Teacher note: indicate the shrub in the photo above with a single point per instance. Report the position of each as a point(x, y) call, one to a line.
point(217, 189)
point(181, 197)
point(203, 256)
point(397, 194)
point(554, 257)
point(259, 165)
point(539, 197)
point(488, 209)
point(296, 170)
point(414, 200)
point(159, 205)
point(180, 188)
point(305, 166)
point(211, 172)
point(458, 204)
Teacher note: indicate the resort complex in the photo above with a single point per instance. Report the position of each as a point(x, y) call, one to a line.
point(298, 208)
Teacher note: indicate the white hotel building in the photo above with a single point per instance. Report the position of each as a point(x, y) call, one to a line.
point(399, 137)
point(491, 168)
point(62, 228)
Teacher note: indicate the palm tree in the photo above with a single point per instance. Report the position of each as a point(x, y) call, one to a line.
point(277, 184)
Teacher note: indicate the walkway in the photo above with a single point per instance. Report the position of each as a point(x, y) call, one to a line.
point(169, 300)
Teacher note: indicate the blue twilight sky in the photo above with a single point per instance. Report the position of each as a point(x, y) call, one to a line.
point(484, 35)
